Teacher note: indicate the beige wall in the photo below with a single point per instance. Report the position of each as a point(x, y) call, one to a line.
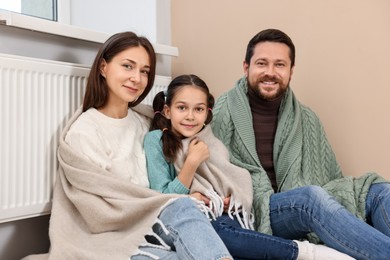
point(342, 65)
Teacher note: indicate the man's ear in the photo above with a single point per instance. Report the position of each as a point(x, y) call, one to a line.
point(167, 112)
point(245, 66)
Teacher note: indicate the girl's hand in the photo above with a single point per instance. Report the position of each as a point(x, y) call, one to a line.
point(201, 197)
point(198, 152)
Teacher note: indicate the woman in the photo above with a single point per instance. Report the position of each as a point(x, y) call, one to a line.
point(102, 207)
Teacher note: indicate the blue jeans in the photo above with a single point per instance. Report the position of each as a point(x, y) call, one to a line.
point(190, 235)
point(378, 207)
point(248, 244)
point(297, 212)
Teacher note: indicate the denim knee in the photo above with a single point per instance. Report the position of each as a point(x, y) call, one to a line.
point(316, 198)
point(190, 231)
point(309, 196)
point(380, 189)
point(177, 208)
point(182, 203)
point(378, 207)
point(378, 193)
point(313, 192)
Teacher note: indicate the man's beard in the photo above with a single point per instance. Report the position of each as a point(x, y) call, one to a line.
point(280, 91)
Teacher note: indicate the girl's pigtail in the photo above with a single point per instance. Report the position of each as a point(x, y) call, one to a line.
point(171, 143)
point(159, 121)
point(210, 101)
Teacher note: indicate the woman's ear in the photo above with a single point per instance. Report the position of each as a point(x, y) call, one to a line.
point(103, 66)
point(167, 112)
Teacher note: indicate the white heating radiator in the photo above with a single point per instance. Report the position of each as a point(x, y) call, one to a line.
point(37, 97)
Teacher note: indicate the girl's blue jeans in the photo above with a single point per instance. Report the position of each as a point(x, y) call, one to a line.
point(294, 214)
point(297, 212)
point(248, 244)
point(190, 236)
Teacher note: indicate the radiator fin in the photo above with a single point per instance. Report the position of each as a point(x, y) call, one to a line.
point(37, 98)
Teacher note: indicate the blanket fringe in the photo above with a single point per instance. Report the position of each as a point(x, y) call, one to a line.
point(244, 217)
point(216, 203)
point(162, 245)
point(144, 253)
point(235, 210)
point(204, 209)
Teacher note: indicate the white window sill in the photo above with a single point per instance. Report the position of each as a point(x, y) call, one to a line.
point(41, 25)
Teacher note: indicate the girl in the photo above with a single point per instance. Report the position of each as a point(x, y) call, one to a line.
point(179, 161)
point(102, 206)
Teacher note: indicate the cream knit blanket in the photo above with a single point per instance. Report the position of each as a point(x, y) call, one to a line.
point(96, 215)
point(217, 178)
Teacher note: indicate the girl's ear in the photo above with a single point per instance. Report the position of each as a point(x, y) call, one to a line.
point(167, 112)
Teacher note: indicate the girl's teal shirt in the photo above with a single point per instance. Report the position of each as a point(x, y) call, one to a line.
point(161, 173)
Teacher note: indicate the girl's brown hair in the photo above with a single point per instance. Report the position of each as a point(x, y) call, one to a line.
point(171, 142)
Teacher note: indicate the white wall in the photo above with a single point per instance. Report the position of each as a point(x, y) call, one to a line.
point(150, 18)
point(134, 15)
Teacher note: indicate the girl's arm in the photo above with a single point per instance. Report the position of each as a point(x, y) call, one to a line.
point(161, 174)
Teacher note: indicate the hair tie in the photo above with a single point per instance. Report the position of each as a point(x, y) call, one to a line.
point(209, 109)
point(158, 112)
point(165, 96)
point(164, 129)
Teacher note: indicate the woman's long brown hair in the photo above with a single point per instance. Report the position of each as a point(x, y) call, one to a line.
point(96, 94)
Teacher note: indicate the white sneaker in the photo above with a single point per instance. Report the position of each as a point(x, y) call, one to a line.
point(309, 251)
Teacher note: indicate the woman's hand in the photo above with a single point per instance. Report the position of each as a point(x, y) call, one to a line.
point(226, 202)
point(201, 197)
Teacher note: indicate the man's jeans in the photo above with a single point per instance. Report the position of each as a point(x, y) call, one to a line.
point(297, 212)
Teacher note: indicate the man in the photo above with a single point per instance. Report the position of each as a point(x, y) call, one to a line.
point(283, 145)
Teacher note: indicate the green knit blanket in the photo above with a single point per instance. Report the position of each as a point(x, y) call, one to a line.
point(302, 153)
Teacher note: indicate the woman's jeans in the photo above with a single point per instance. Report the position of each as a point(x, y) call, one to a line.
point(300, 211)
point(190, 235)
point(248, 244)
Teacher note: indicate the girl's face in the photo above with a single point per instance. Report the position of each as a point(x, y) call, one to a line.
point(188, 111)
point(126, 75)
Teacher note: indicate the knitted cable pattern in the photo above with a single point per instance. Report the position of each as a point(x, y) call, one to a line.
point(302, 153)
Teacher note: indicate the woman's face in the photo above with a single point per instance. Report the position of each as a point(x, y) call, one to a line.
point(126, 75)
